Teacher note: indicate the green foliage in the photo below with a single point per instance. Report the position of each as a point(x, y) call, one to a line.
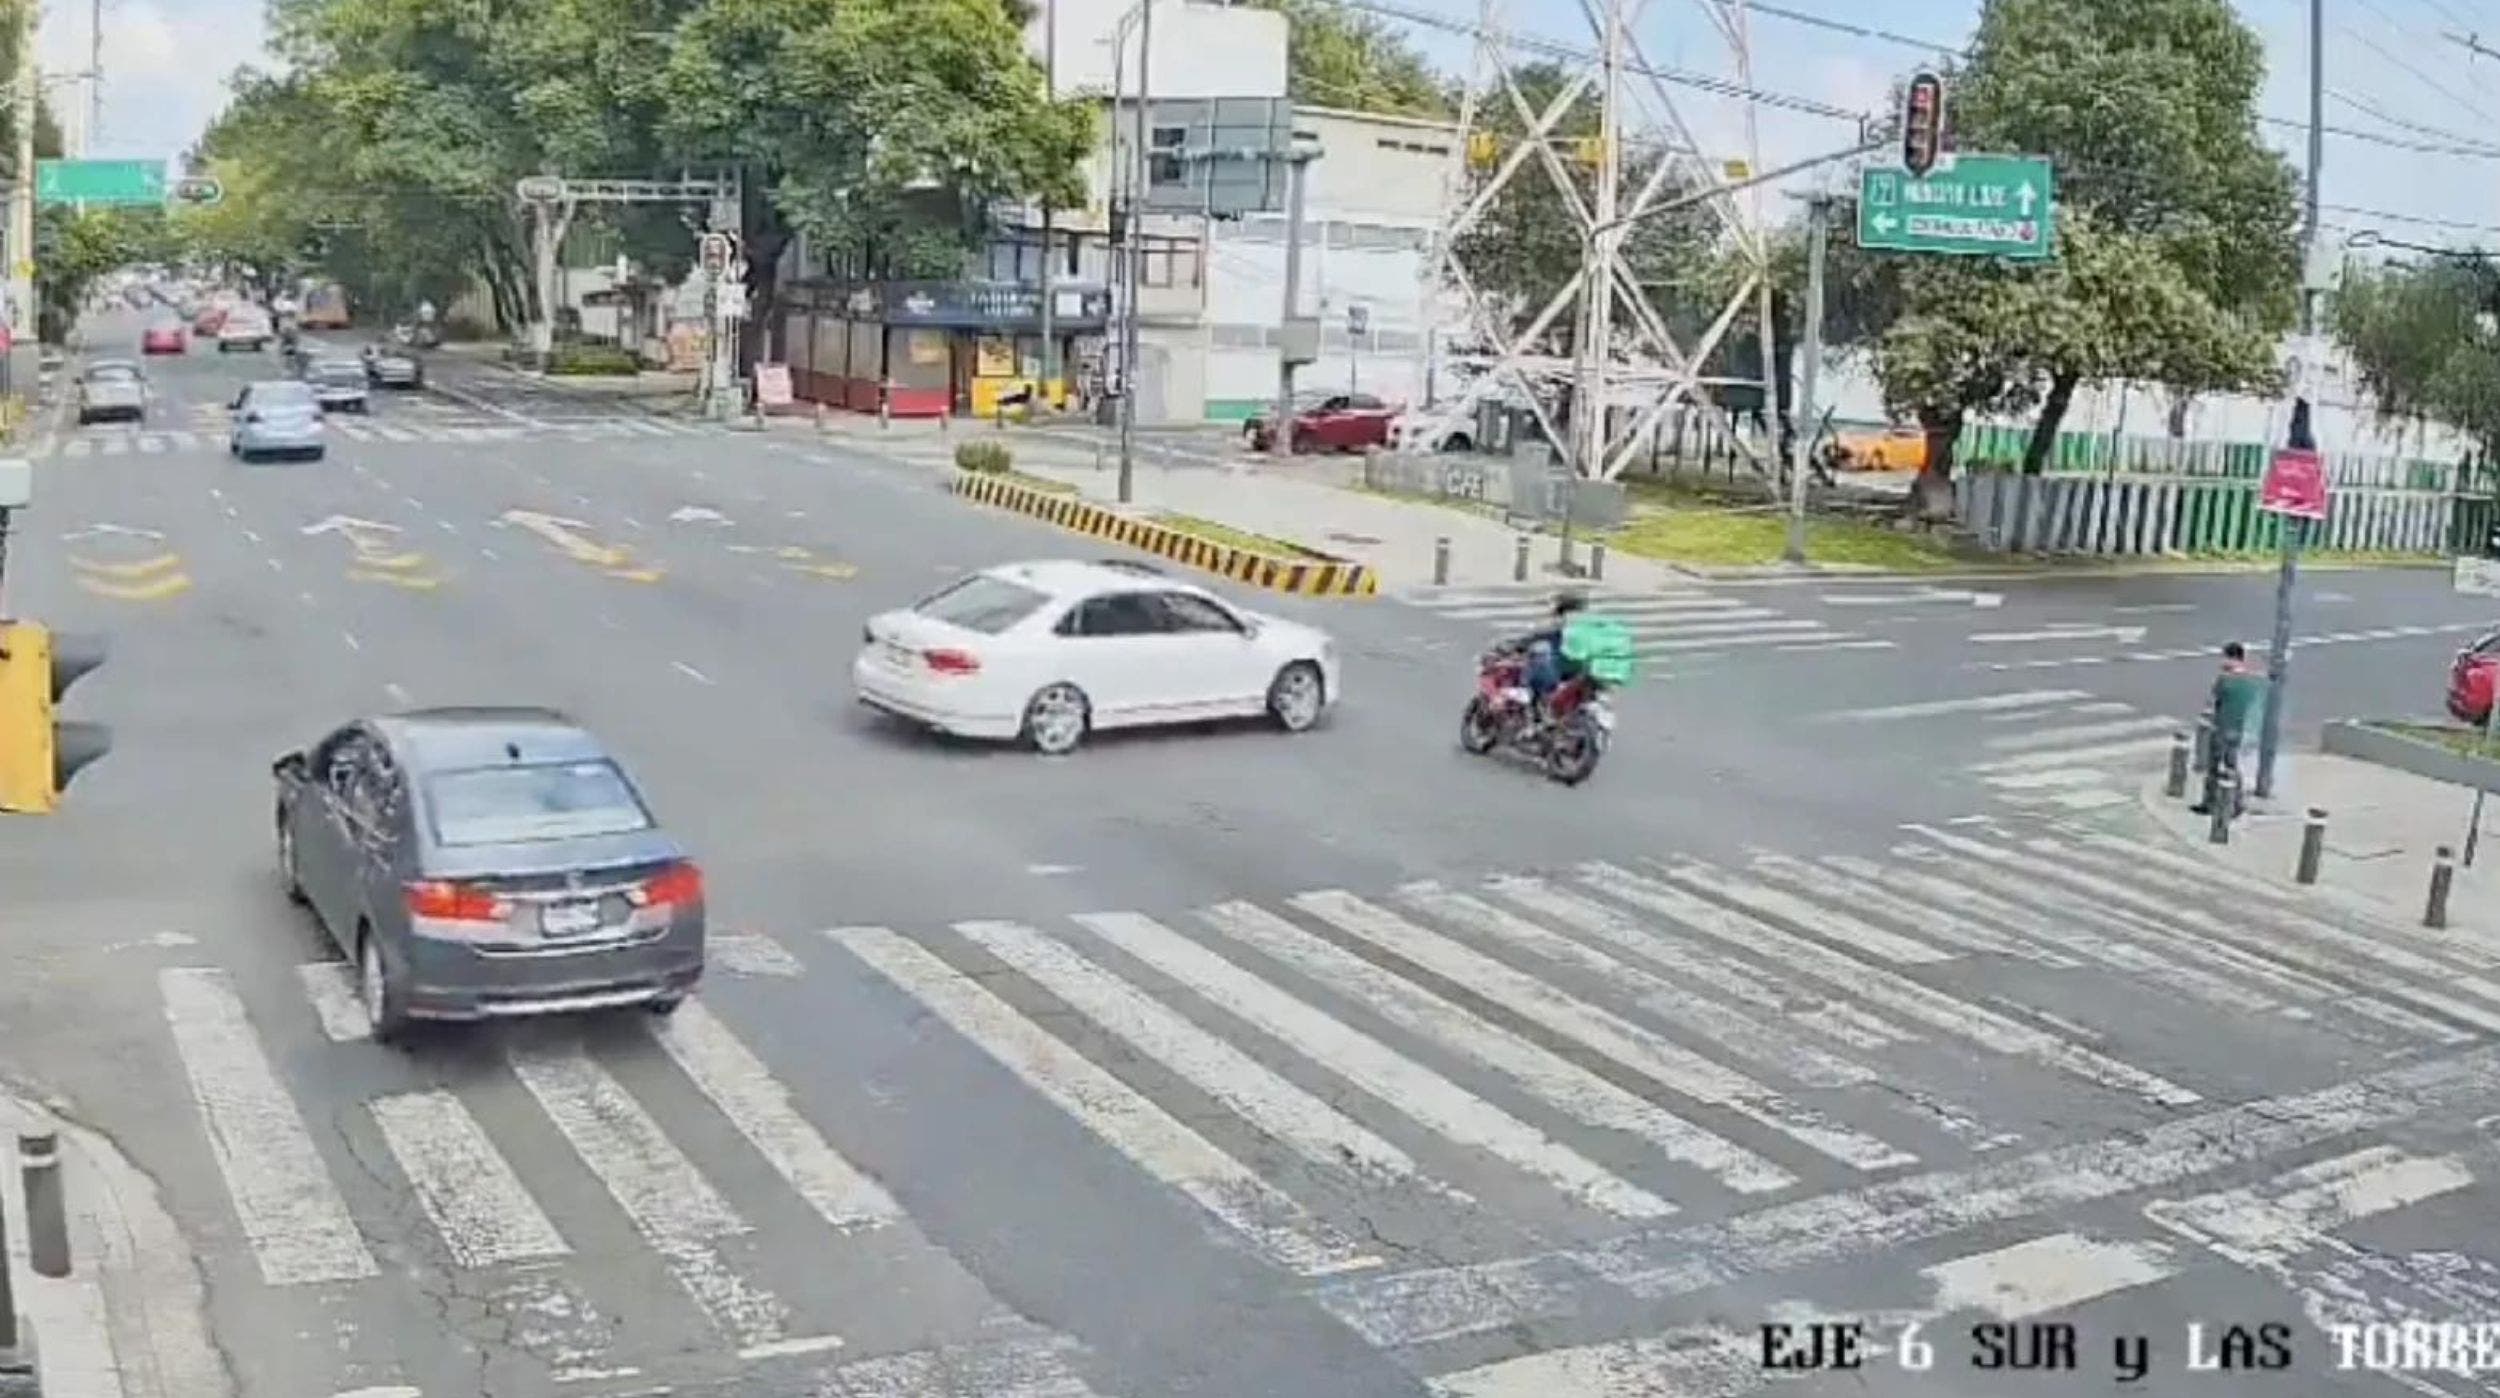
point(2422, 343)
point(588, 361)
point(984, 457)
point(1340, 58)
point(73, 248)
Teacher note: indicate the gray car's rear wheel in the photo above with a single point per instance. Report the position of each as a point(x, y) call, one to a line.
point(385, 1012)
point(288, 877)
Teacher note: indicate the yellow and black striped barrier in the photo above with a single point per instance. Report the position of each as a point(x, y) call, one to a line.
point(1307, 577)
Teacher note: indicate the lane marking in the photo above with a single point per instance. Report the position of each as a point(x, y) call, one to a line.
point(690, 672)
point(1936, 708)
point(479, 1207)
point(1806, 916)
point(330, 986)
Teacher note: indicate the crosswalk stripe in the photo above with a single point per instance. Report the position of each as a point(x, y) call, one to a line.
point(1682, 957)
point(478, 1205)
point(77, 446)
point(1116, 1113)
point(399, 434)
point(352, 431)
point(2082, 733)
point(1699, 1361)
point(298, 1225)
point(331, 987)
point(1968, 908)
point(1706, 1017)
point(1716, 624)
point(2269, 1223)
point(1414, 1090)
point(1777, 633)
point(1317, 1131)
point(1670, 1065)
point(2046, 1274)
point(1827, 923)
point(2101, 752)
point(738, 1083)
point(1938, 708)
point(151, 444)
point(1840, 889)
point(187, 440)
point(1037, 1367)
point(113, 446)
point(1565, 1085)
point(750, 954)
point(670, 1203)
point(1886, 990)
point(2052, 779)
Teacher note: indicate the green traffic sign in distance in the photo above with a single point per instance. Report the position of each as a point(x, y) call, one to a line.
point(100, 181)
point(1972, 206)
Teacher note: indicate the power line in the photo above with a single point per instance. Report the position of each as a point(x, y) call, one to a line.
point(2376, 112)
point(1855, 31)
point(2417, 220)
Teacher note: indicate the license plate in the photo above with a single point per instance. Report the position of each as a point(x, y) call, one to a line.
point(897, 656)
point(568, 919)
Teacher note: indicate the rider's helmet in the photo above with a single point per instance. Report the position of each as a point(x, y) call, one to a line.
point(1569, 602)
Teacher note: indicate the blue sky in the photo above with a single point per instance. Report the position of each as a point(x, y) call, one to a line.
point(167, 62)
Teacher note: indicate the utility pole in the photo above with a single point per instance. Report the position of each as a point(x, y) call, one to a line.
point(95, 78)
point(1129, 351)
point(1590, 432)
point(2287, 578)
point(1050, 337)
point(1297, 176)
point(25, 324)
point(1767, 332)
point(1818, 226)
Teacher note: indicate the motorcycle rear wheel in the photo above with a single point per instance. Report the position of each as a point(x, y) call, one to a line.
point(1572, 751)
point(1479, 729)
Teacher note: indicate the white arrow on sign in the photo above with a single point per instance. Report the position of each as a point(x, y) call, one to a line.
point(101, 531)
point(697, 514)
point(2026, 196)
point(1885, 223)
point(2124, 635)
point(349, 524)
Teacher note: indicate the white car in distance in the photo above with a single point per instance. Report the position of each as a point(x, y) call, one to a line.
point(1048, 652)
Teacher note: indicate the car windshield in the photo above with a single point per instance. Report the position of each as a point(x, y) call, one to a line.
point(281, 395)
point(983, 603)
point(521, 805)
point(339, 371)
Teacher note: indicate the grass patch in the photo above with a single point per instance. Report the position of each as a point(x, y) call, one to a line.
point(1230, 537)
point(1041, 483)
point(2455, 738)
point(1720, 538)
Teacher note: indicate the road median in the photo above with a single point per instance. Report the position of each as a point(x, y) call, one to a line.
point(1253, 560)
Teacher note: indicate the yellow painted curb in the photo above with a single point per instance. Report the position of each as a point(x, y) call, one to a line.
point(1304, 577)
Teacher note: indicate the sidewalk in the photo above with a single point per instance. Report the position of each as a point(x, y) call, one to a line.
point(2383, 826)
point(130, 1320)
point(653, 389)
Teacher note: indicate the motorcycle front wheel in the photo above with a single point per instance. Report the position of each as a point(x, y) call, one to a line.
point(1478, 728)
point(1571, 753)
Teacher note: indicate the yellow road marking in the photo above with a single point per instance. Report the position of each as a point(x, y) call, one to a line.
point(640, 575)
point(838, 572)
point(794, 553)
point(144, 567)
point(394, 562)
point(154, 591)
point(414, 582)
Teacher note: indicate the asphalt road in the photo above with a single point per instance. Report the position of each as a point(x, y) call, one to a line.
point(970, 1104)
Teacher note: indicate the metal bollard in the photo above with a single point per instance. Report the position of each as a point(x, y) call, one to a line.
point(2205, 744)
point(47, 1213)
point(2225, 804)
point(1597, 562)
point(1519, 561)
point(2443, 874)
point(2176, 786)
point(1441, 561)
point(2312, 846)
point(885, 406)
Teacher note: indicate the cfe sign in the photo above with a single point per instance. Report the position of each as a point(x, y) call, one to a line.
point(1969, 206)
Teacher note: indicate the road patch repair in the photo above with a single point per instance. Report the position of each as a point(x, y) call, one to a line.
point(1306, 572)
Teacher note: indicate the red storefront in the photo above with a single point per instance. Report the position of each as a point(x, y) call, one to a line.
point(939, 346)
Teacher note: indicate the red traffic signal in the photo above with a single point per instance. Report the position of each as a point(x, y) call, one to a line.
point(1922, 123)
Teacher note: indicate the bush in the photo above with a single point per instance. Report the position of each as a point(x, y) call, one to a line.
point(594, 360)
point(986, 458)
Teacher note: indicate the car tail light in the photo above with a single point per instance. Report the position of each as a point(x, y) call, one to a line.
point(952, 662)
point(675, 886)
point(438, 901)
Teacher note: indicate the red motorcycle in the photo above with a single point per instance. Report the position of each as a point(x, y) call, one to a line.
point(1566, 741)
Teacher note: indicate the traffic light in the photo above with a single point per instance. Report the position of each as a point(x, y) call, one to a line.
point(1484, 149)
point(1922, 123)
point(39, 753)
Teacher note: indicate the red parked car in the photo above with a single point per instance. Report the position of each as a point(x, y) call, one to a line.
point(209, 321)
point(2472, 680)
point(165, 337)
point(1336, 422)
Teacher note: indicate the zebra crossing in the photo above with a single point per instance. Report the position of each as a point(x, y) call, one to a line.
point(121, 440)
point(1668, 625)
point(1646, 1076)
point(2047, 749)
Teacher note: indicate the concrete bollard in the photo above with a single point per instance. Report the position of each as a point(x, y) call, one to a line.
point(2312, 846)
point(885, 408)
point(47, 1212)
point(2226, 802)
point(2443, 875)
point(1441, 561)
point(2175, 787)
point(1519, 561)
point(2205, 744)
point(1597, 562)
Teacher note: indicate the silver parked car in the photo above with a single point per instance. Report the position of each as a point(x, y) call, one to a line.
point(279, 417)
point(338, 384)
point(388, 367)
point(485, 863)
point(112, 388)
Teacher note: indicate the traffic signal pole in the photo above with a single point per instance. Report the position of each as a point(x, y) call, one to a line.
point(2287, 576)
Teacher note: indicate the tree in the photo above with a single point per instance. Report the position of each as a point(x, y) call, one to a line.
point(1339, 58)
point(74, 247)
point(2423, 342)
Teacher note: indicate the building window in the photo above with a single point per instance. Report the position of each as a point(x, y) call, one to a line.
point(1163, 153)
point(1169, 262)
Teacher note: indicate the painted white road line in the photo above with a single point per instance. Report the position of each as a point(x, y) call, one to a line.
point(1566, 1086)
point(484, 405)
point(1703, 1015)
point(479, 1207)
point(1832, 926)
point(2052, 779)
point(1258, 1094)
point(1417, 1092)
point(1836, 887)
point(2046, 1274)
point(1883, 988)
point(2079, 734)
point(750, 954)
point(2270, 1223)
point(292, 1215)
point(2129, 750)
point(1767, 633)
point(1037, 1367)
point(1923, 596)
point(1939, 708)
point(736, 1081)
point(1661, 1060)
point(331, 987)
point(2123, 635)
point(1116, 1113)
point(1682, 957)
point(1419, 1307)
point(1690, 1362)
point(670, 1203)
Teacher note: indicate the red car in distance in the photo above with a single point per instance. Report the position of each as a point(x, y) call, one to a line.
point(2472, 679)
point(1335, 422)
point(164, 337)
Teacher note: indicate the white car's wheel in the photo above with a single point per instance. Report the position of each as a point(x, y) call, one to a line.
point(383, 1011)
point(1296, 696)
point(1055, 720)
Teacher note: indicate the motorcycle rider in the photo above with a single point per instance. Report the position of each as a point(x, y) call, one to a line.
point(1547, 667)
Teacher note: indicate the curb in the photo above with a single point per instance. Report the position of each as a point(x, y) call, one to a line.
point(2368, 741)
point(1300, 577)
point(1776, 575)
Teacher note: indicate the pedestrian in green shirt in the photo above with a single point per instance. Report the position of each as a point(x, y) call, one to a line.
point(2239, 694)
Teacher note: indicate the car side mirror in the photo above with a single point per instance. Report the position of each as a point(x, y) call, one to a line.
point(291, 765)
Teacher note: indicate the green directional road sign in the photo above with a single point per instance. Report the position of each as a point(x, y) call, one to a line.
point(1977, 206)
point(100, 181)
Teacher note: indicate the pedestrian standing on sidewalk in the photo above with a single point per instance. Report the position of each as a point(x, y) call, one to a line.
point(2239, 693)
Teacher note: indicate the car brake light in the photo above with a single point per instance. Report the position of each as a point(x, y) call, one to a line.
point(952, 662)
point(674, 886)
point(439, 901)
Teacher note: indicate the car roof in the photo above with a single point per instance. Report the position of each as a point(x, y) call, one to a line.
point(439, 739)
point(96, 365)
point(1072, 578)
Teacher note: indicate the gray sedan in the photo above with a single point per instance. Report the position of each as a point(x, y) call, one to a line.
point(487, 863)
point(386, 367)
point(278, 417)
point(112, 388)
point(338, 384)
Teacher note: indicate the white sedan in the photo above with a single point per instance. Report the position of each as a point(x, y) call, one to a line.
point(1048, 652)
